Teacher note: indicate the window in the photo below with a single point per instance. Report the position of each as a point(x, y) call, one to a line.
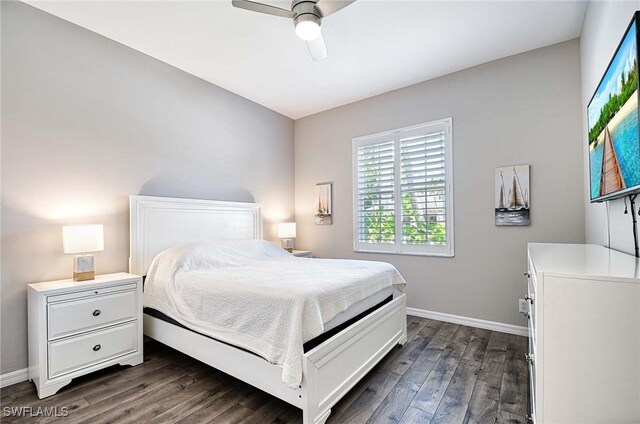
point(403, 191)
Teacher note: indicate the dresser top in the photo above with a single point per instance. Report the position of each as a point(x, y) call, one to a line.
point(584, 260)
point(100, 280)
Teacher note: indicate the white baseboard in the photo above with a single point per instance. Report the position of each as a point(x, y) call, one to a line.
point(14, 377)
point(471, 322)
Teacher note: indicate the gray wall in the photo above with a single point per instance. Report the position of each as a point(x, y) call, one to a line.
point(85, 123)
point(518, 110)
point(604, 26)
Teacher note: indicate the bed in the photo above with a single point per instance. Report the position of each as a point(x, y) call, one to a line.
point(320, 361)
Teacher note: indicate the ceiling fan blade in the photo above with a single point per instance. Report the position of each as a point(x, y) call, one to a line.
point(262, 8)
point(328, 7)
point(317, 49)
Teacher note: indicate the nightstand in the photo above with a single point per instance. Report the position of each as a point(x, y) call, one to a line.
point(79, 327)
point(302, 253)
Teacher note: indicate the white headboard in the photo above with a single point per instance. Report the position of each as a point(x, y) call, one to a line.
point(158, 223)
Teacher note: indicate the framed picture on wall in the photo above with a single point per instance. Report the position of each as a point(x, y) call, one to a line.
point(323, 204)
point(512, 201)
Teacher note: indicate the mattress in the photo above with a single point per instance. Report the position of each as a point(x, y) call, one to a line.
point(284, 301)
point(330, 332)
point(358, 308)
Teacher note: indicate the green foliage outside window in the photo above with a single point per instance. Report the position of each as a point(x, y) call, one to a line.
point(416, 229)
point(379, 224)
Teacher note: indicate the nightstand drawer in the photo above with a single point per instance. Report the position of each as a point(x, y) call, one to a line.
point(91, 293)
point(88, 349)
point(67, 318)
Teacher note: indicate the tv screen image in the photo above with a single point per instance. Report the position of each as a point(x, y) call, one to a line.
point(612, 117)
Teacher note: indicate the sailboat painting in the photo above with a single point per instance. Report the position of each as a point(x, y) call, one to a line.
point(512, 200)
point(323, 204)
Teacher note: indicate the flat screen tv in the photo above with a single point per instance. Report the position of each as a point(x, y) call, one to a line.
point(612, 118)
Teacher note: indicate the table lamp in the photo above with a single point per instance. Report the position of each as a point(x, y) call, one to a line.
point(83, 239)
point(286, 232)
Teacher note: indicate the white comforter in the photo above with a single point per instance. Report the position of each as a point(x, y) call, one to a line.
point(254, 295)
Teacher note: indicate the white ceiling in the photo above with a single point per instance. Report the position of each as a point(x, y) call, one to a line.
point(374, 46)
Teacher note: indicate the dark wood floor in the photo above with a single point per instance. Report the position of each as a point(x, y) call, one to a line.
point(446, 373)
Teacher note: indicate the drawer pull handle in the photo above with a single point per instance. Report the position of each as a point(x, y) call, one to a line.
point(96, 348)
point(96, 312)
point(529, 358)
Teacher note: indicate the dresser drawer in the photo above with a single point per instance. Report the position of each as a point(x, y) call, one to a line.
point(532, 338)
point(532, 392)
point(531, 299)
point(77, 316)
point(88, 349)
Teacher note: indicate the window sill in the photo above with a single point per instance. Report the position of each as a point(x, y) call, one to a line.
point(383, 252)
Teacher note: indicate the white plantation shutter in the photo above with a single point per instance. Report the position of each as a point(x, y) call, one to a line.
point(403, 191)
point(422, 163)
point(375, 205)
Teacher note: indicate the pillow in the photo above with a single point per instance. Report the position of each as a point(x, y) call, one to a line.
point(216, 254)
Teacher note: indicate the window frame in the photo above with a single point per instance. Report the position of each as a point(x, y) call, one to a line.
point(398, 247)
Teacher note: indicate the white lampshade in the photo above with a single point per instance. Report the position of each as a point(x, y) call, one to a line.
point(287, 230)
point(82, 238)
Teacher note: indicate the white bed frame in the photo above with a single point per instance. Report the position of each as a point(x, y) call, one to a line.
point(330, 370)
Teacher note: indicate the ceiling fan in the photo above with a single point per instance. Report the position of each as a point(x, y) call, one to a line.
point(307, 18)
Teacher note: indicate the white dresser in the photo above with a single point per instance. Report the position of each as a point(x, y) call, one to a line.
point(584, 334)
point(79, 327)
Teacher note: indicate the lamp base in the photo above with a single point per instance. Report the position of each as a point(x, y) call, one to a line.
point(287, 244)
point(84, 276)
point(83, 268)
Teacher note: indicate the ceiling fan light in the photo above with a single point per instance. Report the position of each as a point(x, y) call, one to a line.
point(307, 27)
